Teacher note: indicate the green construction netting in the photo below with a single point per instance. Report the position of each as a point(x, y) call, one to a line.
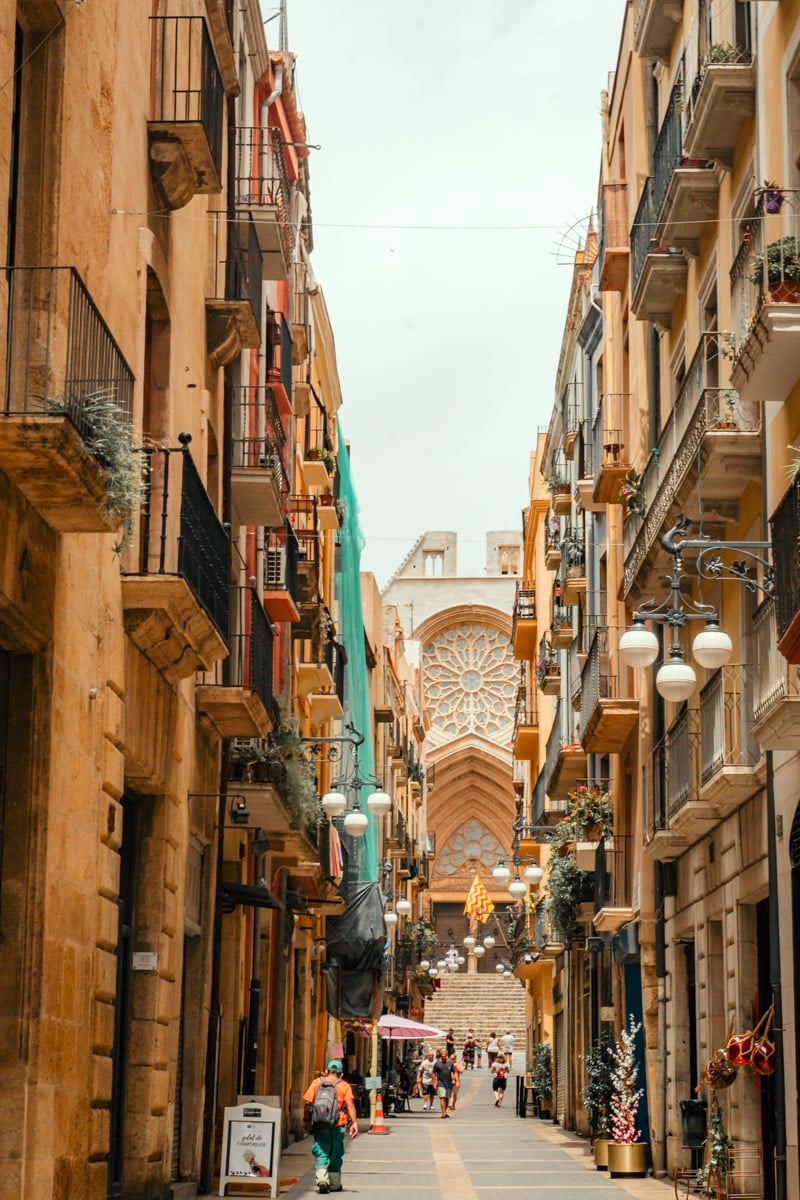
point(362, 852)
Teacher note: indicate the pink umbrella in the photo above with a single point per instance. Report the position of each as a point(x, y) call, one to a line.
point(398, 1029)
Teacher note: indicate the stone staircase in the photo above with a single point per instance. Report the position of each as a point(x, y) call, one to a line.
point(484, 1002)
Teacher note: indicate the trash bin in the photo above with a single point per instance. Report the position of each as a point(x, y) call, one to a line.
point(693, 1124)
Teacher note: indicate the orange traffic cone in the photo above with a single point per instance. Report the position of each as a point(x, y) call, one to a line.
point(378, 1125)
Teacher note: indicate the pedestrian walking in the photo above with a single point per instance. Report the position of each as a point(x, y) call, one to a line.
point(507, 1045)
point(468, 1054)
point(425, 1077)
point(458, 1071)
point(443, 1073)
point(492, 1049)
point(450, 1042)
point(499, 1082)
point(331, 1108)
point(479, 1053)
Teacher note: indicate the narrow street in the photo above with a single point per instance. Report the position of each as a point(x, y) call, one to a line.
point(482, 1153)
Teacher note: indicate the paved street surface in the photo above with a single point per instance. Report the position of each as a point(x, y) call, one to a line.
point(480, 1153)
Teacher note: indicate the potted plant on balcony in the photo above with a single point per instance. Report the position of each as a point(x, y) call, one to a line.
point(596, 1096)
point(565, 889)
point(726, 412)
point(627, 1155)
point(774, 196)
point(781, 263)
point(630, 491)
point(542, 1077)
point(592, 812)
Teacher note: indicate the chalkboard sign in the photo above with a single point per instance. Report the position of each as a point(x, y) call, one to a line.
point(251, 1141)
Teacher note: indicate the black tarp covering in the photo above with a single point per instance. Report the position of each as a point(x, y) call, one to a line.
point(355, 953)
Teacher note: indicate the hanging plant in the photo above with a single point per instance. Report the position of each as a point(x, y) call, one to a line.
point(565, 891)
point(630, 491)
point(591, 812)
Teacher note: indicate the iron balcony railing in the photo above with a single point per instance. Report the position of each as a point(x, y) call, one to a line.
point(555, 742)
point(538, 799)
point(301, 301)
point(181, 534)
point(60, 355)
point(261, 177)
point(584, 456)
point(571, 406)
point(238, 258)
point(668, 149)
point(281, 552)
point(334, 657)
point(726, 721)
point(701, 405)
point(187, 84)
point(552, 533)
point(599, 680)
point(776, 679)
point(279, 353)
point(249, 664)
point(613, 873)
point(766, 267)
point(672, 773)
point(526, 708)
point(607, 430)
point(785, 526)
point(259, 438)
point(707, 56)
point(318, 444)
point(524, 604)
point(643, 232)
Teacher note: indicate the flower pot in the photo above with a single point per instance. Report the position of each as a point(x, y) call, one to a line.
point(786, 291)
point(600, 1149)
point(629, 1159)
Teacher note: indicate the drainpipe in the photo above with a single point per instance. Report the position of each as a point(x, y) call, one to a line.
point(254, 1005)
point(211, 1081)
point(282, 920)
point(775, 981)
point(660, 1156)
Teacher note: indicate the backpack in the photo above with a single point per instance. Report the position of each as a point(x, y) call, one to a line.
point(325, 1105)
point(500, 1073)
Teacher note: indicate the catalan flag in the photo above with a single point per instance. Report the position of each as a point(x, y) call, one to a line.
point(479, 904)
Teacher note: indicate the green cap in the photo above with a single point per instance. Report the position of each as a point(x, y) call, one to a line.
point(335, 1065)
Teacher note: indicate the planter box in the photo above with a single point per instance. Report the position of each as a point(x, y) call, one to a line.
point(627, 1160)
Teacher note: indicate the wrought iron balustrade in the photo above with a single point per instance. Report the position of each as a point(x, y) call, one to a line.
point(726, 719)
point(643, 232)
point(785, 527)
point(524, 604)
point(668, 149)
point(187, 85)
point(279, 354)
point(261, 177)
point(766, 267)
point(59, 353)
point(249, 664)
point(775, 679)
point(259, 437)
point(613, 873)
point(181, 534)
point(239, 257)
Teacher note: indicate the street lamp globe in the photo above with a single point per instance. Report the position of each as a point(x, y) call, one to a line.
point(534, 874)
point(488, 941)
point(676, 679)
point(501, 873)
point(499, 968)
point(442, 964)
point(424, 964)
point(638, 646)
point(356, 822)
point(403, 906)
point(390, 919)
point(379, 802)
point(712, 647)
point(461, 960)
point(517, 888)
point(433, 972)
point(469, 941)
point(479, 951)
point(334, 803)
point(507, 973)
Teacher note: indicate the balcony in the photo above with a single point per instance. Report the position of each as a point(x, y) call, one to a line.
point(236, 696)
point(609, 713)
point(233, 313)
point(175, 593)
point(565, 761)
point(263, 192)
point(785, 527)
point(301, 314)
point(721, 100)
point(776, 688)
point(685, 190)
point(613, 884)
point(571, 409)
point(526, 727)
point(675, 814)
point(561, 628)
point(303, 519)
point(654, 25)
point(318, 458)
point(524, 625)
point(188, 104)
point(614, 250)
point(658, 272)
point(259, 483)
point(765, 301)
point(320, 681)
point(281, 554)
point(68, 390)
point(708, 427)
point(573, 554)
point(611, 464)
point(585, 469)
point(279, 361)
point(728, 751)
point(552, 543)
point(548, 668)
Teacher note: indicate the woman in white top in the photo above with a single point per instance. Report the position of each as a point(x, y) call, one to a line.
point(492, 1048)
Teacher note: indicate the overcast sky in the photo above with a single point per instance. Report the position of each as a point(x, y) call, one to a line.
point(460, 153)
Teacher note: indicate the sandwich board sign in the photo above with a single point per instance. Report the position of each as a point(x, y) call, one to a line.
point(251, 1142)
